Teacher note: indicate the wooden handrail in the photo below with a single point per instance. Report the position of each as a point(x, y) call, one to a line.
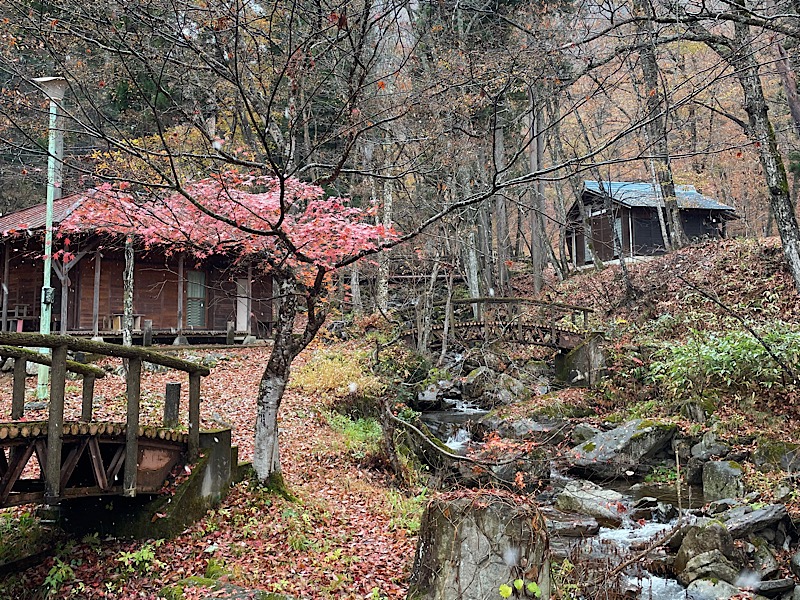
point(38, 340)
point(44, 359)
point(498, 300)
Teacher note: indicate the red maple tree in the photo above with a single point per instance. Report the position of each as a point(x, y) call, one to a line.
point(291, 228)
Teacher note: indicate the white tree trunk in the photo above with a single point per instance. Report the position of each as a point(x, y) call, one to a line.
point(355, 290)
point(266, 455)
point(382, 284)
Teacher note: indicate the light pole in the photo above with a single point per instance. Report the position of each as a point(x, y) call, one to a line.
point(54, 88)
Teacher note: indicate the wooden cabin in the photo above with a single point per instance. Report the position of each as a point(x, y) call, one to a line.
point(178, 293)
point(635, 211)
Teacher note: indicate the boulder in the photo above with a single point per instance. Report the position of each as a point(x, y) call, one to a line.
point(624, 449)
point(794, 564)
point(771, 455)
point(708, 446)
point(705, 589)
point(477, 382)
point(472, 544)
point(709, 565)
point(561, 524)
point(775, 587)
point(722, 479)
point(548, 431)
point(701, 538)
point(510, 390)
point(764, 561)
point(743, 523)
point(587, 498)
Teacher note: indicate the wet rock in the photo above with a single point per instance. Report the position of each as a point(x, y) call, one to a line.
point(741, 525)
point(701, 538)
point(709, 565)
point(720, 506)
point(624, 449)
point(775, 587)
point(561, 524)
point(764, 561)
point(587, 498)
point(477, 382)
point(704, 589)
point(644, 508)
point(550, 431)
point(694, 471)
point(709, 447)
point(722, 479)
point(471, 545)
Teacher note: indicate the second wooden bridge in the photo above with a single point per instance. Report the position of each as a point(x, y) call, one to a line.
point(521, 320)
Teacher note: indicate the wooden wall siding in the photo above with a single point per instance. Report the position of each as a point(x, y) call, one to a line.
point(222, 299)
point(647, 232)
point(155, 293)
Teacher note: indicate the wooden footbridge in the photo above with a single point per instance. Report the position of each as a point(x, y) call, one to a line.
point(473, 321)
point(50, 461)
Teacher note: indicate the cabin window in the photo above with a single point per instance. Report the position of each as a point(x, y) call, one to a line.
point(617, 236)
point(196, 299)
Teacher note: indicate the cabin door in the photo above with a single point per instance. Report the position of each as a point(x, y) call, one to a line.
point(242, 304)
point(196, 299)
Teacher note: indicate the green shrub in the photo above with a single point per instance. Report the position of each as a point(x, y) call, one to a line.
point(726, 360)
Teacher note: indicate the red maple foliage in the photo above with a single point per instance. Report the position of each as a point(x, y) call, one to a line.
point(283, 221)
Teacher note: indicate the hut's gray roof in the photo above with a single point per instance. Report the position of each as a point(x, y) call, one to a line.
point(635, 194)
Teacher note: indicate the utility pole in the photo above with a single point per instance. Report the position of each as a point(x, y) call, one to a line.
point(54, 88)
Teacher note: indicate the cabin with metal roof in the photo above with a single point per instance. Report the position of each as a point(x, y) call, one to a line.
point(175, 293)
point(624, 218)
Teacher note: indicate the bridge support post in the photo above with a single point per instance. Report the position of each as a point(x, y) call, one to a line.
point(87, 398)
point(134, 385)
point(18, 395)
point(55, 426)
point(172, 402)
point(194, 416)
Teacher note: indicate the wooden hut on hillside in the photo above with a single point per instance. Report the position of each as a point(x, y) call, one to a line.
point(635, 209)
point(177, 292)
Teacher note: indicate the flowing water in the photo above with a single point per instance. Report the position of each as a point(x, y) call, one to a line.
point(610, 546)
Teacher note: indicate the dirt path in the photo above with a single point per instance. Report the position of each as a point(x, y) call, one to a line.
point(337, 540)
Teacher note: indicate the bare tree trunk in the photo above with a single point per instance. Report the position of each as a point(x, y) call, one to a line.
point(427, 309)
point(447, 310)
point(503, 243)
point(382, 283)
point(472, 272)
point(355, 290)
point(657, 126)
point(741, 56)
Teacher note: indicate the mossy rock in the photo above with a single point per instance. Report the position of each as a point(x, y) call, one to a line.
point(771, 455)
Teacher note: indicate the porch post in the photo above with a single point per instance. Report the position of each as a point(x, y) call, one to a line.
point(249, 299)
point(180, 295)
point(6, 260)
point(96, 295)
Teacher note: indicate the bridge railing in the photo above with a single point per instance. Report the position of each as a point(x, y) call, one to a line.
point(15, 345)
point(510, 305)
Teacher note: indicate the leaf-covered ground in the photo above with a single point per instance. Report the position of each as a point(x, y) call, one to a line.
point(341, 538)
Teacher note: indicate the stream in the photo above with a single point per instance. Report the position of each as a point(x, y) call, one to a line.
point(606, 546)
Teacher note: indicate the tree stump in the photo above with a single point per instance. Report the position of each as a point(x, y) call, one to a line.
point(472, 543)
